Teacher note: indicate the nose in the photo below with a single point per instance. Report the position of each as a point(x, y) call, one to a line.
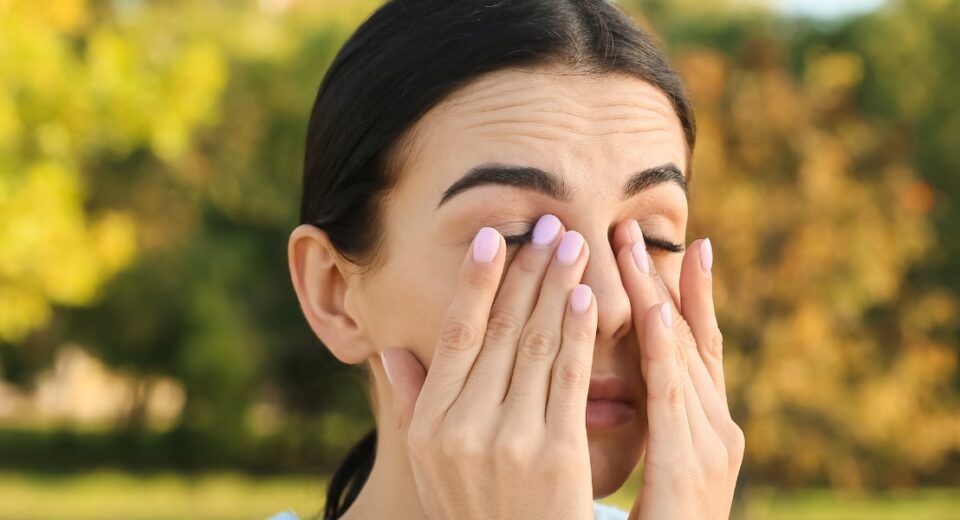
point(614, 318)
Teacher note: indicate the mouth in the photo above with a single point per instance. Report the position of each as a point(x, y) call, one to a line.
point(610, 404)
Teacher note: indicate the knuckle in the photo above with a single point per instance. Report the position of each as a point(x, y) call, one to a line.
point(715, 463)
point(462, 443)
point(680, 355)
point(503, 325)
point(527, 263)
point(514, 451)
point(684, 333)
point(581, 334)
point(737, 441)
point(673, 392)
point(456, 335)
point(714, 346)
point(537, 343)
point(479, 279)
point(571, 373)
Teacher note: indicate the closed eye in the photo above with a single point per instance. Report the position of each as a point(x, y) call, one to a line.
point(650, 241)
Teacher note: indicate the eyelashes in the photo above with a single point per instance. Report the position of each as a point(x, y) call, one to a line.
point(650, 241)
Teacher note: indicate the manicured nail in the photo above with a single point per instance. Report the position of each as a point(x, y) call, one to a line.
point(641, 257)
point(666, 315)
point(485, 245)
point(580, 299)
point(386, 367)
point(635, 234)
point(570, 246)
point(546, 230)
point(706, 255)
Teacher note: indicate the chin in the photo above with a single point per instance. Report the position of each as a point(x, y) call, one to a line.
point(614, 454)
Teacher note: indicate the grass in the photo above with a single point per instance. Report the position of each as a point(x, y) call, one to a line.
point(114, 495)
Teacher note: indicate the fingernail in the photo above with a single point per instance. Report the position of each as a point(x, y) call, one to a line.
point(580, 299)
point(641, 257)
point(570, 246)
point(546, 230)
point(386, 368)
point(485, 245)
point(635, 234)
point(666, 315)
point(706, 255)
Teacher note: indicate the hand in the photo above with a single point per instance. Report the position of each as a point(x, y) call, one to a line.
point(497, 427)
point(694, 449)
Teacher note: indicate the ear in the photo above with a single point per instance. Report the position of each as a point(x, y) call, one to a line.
point(322, 279)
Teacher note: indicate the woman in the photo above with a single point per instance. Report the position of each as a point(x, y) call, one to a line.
point(493, 218)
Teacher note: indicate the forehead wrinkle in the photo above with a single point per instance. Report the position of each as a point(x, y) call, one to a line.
point(592, 119)
point(478, 104)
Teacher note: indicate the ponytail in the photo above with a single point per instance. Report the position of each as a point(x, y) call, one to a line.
point(350, 476)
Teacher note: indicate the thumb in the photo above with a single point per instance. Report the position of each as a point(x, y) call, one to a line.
point(406, 376)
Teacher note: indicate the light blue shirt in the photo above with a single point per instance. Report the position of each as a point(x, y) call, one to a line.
point(600, 512)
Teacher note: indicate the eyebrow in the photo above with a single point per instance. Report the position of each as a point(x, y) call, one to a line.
point(540, 181)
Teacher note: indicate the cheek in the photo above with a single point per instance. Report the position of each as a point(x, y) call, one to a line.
point(669, 269)
point(410, 295)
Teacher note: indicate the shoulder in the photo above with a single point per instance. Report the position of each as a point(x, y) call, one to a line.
point(605, 512)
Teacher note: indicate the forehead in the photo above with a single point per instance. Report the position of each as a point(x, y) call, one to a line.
point(586, 129)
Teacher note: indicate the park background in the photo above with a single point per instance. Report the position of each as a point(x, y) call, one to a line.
point(154, 362)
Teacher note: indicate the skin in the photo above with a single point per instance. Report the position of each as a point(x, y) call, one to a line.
point(592, 133)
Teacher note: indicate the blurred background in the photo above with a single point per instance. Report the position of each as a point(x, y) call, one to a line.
point(154, 362)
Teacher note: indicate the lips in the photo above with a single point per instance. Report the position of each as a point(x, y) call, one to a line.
point(609, 404)
point(610, 389)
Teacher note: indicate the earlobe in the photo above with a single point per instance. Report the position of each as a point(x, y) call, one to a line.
point(321, 279)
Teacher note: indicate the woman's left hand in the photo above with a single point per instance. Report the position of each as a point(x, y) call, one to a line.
point(694, 448)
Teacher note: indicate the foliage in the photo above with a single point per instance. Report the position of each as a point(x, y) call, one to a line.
point(840, 363)
point(150, 156)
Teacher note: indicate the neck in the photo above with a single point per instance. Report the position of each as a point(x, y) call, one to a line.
point(390, 490)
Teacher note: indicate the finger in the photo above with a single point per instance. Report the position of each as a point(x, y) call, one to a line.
point(703, 432)
point(526, 400)
point(626, 233)
point(463, 327)
point(406, 375)
point(638, 275)
point(668, 426)
point(696, 294)
point(488, 381)
point(716, 410)
point(570, 380)
point(645, 288)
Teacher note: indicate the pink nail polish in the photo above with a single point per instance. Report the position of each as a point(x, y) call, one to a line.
point(640, 257)
point(706, 255)
point(580, 299)
point(666, 315)
point(635, 234)
point(570, 246)
point(386, 367)
point(485, 245)
point(546, 230)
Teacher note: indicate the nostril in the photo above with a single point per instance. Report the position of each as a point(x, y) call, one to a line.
point(621, 331)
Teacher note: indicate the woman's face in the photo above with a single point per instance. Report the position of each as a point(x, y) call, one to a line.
point(592, 136)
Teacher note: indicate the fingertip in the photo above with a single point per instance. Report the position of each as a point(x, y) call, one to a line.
point(666, 315)
point(386, 366)
point(581, 298)
point(706, 256)
point(486, 245)
point(483, 265)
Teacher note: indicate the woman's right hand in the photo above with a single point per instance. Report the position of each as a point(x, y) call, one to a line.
point(496, 429)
